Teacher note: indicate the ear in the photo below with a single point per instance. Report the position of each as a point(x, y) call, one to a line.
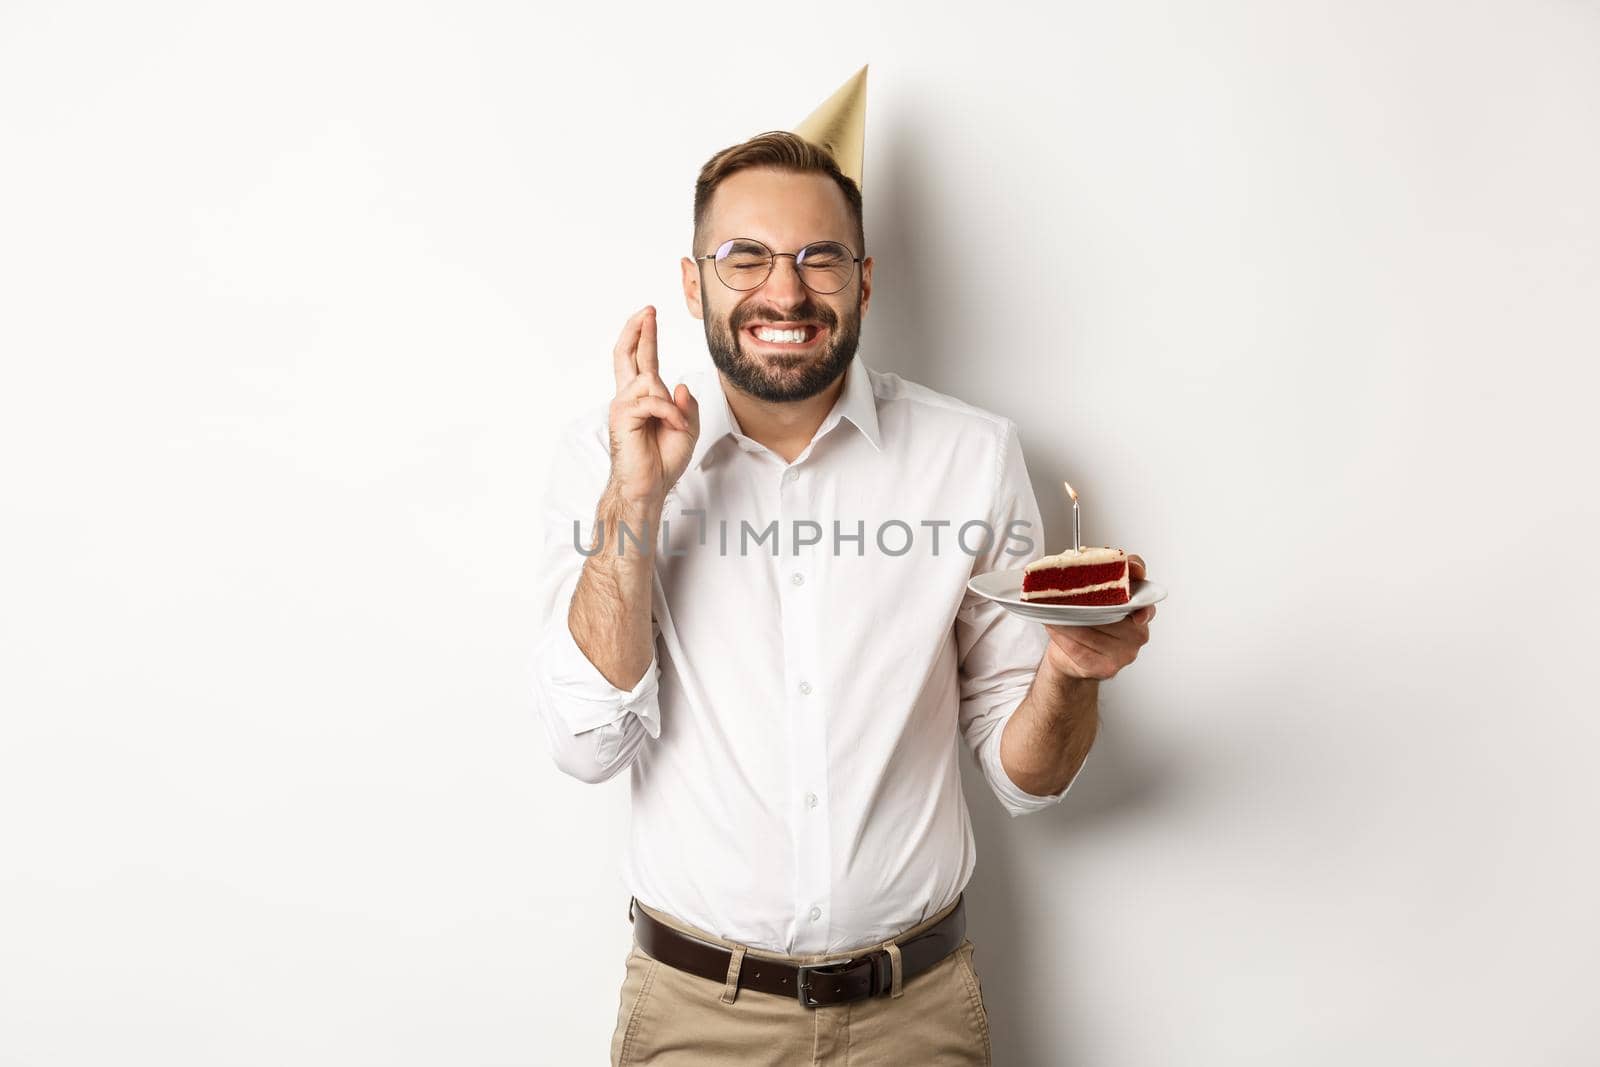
point(691, 286)
point(866, 284)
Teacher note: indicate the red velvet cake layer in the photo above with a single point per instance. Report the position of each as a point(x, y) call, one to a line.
point(1099, 596)
point(1074, 577)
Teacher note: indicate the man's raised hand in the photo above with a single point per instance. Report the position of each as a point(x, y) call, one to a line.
point(652, 431)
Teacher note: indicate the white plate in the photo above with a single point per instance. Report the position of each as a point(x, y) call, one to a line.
point(1005, 589)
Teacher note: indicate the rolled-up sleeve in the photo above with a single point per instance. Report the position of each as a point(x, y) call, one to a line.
point(998, 652)
point(594, 728)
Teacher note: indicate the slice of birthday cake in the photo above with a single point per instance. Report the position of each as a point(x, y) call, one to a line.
point(1078, 576)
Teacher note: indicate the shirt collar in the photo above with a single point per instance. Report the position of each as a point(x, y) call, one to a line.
point(855, 402)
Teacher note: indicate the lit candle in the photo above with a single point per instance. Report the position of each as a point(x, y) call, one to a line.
point(1077, 539)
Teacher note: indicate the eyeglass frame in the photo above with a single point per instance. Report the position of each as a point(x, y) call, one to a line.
point(773, 257)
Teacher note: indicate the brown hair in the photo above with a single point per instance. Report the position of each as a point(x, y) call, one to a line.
point(780, 150)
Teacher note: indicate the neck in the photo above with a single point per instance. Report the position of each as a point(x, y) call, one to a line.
point(785, 427)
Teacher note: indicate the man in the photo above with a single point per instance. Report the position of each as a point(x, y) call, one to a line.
point(787, 683)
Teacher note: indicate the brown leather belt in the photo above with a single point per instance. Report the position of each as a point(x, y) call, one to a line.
point(866, 975)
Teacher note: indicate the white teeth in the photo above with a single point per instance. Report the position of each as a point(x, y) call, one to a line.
point(790, 336)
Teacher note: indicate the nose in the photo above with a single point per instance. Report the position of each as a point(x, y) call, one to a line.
point(784, 284)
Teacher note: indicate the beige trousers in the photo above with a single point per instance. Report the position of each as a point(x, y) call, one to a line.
point(670, 1018)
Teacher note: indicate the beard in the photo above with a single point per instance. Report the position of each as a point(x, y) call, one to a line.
point(781, 379)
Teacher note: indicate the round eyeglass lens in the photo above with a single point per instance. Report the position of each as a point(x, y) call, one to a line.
point(824, 267)
point(743, 264)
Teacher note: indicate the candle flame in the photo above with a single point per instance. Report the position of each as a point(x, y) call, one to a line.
point(1070, 493)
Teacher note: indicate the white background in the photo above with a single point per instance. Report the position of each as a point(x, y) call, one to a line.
point(1302, 298)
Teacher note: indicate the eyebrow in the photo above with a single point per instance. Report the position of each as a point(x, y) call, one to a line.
point(740, 240)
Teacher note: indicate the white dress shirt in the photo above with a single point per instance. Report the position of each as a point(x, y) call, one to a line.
point(792, 748)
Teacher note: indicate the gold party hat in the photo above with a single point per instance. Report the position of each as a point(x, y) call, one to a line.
point(839, 126)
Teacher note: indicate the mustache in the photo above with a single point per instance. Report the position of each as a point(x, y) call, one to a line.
point(810, 314)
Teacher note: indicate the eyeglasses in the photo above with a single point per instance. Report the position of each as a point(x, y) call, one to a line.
point(744, 263)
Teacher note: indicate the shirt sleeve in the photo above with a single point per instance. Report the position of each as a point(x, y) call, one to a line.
point(594, 728)
point(998, 652)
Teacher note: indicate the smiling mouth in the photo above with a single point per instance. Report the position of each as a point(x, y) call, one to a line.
point(809, 335)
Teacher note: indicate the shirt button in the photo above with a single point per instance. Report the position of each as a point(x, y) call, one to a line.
point(797, 578)
point(790, 476)
point(816, 913)
point(811, 800)
point(805, 687)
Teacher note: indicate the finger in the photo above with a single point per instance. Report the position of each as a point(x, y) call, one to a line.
point(648, 407)
point(645, 383)
point(1123, 637)
point(1139, 619)
point(1092, 662)
point(688, 405)
point(1128, 631)
point(647, 345)
point(1124, 626)
point(1136, 567)
point(1089, 637)
point(1088, 662)
point(657, 386)
point(622, 358)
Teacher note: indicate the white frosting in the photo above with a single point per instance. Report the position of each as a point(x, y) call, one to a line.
point(1079, 558)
